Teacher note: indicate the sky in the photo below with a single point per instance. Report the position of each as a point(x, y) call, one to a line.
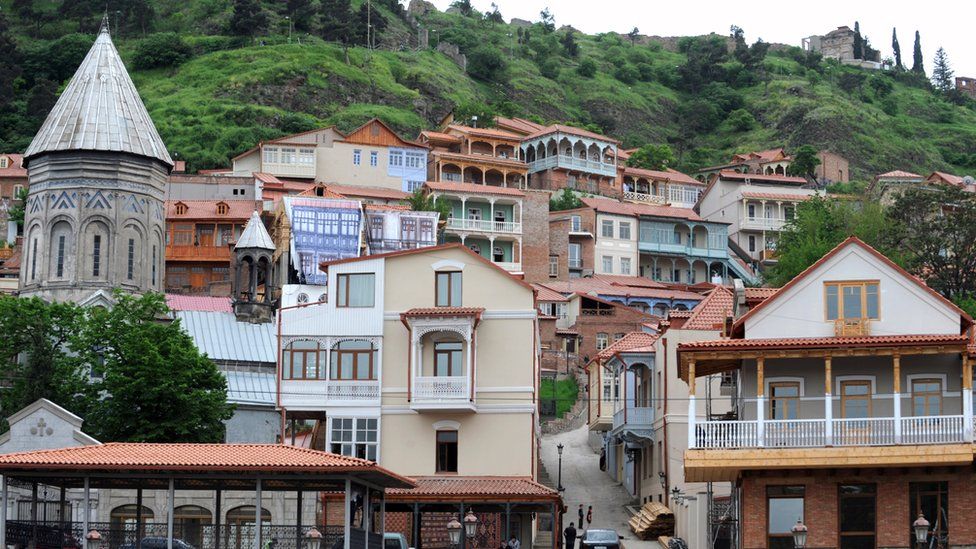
point(940, 22)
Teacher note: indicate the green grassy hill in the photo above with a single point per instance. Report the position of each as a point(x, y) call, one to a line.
point(230, 92)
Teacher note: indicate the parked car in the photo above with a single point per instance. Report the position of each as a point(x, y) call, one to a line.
point(394, 541)
point(157, 543)
point(598, 538)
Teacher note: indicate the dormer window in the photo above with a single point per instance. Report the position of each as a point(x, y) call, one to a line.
point(852, 300)
point(4, 163)
point(222, 208)
point(181, 208)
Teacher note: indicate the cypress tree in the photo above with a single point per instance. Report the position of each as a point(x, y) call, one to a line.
point(897, 49)
point(917, 63)
point(858, 42)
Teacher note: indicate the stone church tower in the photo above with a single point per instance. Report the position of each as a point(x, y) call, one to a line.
point(97, 174)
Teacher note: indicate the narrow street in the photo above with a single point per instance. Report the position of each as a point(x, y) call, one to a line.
point(585, 483)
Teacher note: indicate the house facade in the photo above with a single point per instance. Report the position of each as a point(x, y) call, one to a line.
point(560, 157)
point(853, 411)
point(13, 180)
point(199, 236)
point(481, 156)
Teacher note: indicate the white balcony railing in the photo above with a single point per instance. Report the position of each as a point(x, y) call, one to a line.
point(484, 225)
point(763, 223)
point(637, 417)
point(644, 197)
point(440, 389)
point(566, 161)
point(812, 433)
point(575, 263)
point(358, 390)
point(510, 266)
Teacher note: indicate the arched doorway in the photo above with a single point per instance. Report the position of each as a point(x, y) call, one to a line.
point(122, 523)
point(189, 523)
point(240, 526)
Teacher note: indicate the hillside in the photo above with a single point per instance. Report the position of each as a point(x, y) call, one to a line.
point(704, 96)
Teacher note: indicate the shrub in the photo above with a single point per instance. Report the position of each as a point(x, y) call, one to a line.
point(586, 68)
point(626, 74)
point(646, 72)
point(741, 120)
point(550, 69)
point(882, 85)
point(486, 63)
point(164, 49)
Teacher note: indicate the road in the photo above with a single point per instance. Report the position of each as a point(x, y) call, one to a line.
point(585, 483)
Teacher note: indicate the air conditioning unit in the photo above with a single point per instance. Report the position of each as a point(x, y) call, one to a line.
point(851, 327)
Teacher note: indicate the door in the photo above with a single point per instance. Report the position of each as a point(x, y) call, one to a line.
point(855, 404)
point(857, 516)
point(205, 236)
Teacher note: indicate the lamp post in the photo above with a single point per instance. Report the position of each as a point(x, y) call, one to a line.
point(799, 531)
point(454, 532)
point(470, 525)
point(559, 479)
point(313, 538)
point(288, 18)
point(921, 527)
point(94, 539)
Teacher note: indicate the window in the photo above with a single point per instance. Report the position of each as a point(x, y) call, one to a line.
point(415, 160)
point(396, 159)
point(553, 266)
point(852, 300)
point(608, 385)
point(574, 252)
point(625, 265)
point(17, 190)
point(448, 357)
point(855, 399)
point(676, 275)
point(59, 271)
point(357, 157)
point(222, 208)
point(601, 341)
point(447, 451)
point(927, 397)
point(474, 213)
point(303, 359)
point(932, 500)
point(96, 254)
point(376, 227)
point(447, 287)
point(624, 231)
point(752, 210)
point(288, 155)
point(353, 360)
point(271, 155)
point(154, 265)
point(677, 237)
point(412, 186)
point(857, 515)
point(181, 208)
point(575, 224)
point(784, 506)
point(606, 229)
point(607, 264)
point(355, 290)
point(618, 336)
point(784, 400)
point(355, 437)
point(34, 260)
point(374, 158)
point(789, 212)
point(752, 243)
point(3, 162)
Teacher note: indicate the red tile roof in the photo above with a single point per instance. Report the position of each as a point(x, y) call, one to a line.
point(775, 196)
point(562, 128)
point(520, 125)
point(443, 311)
point(632, 342)
point(438, 136)
point(831, 342)
point(464, 488)
point(354, 191)
point(207, 209)
point(587, 286)
point(711, 313)
point(760, 293)
point(736, 176)
point(155, 457)
point(15, 166)
point(265, 177)
point(610, 206)
point(326, 192)
point(739, 326)
point(473, 188)
point(678, 313)
point(768, 155)
point(177, 302)
point(668, 175)
point(898, 174)
point(545, 294)
point(486, 132)
point(633, 281)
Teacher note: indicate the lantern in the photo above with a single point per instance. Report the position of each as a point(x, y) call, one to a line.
point(470, 525)
point(313, 538)
point(921, 527)
point(454, 531)
point(799, 534)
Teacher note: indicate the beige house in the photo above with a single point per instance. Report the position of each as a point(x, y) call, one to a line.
point(426, 361)
point(372, 155)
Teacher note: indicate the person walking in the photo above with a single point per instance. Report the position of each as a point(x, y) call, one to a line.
point(581, 515)
point(589, 516)
point(514, 543)
point(570, 534)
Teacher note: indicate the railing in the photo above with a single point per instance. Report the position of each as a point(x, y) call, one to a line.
point(644, 197)
point(932, 429)
point(440, 389)
point(583, 227)
point(565, 161)
point(484, 225)
point(575, 263)
point(359, 390)
point(199, 253)
point(392, 245)
point(727, 434)
point(874, 431)
point(633, 416)
point(763, 223)
point(597, 312)
point(852, 327)
point(293, 169)
point(795, 433)
point(510, 266)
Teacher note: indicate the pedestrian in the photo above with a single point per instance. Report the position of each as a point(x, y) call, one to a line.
point(570, 534)
point(514, 543)
point(603, 461)
point(581, 515)
point(589, 516)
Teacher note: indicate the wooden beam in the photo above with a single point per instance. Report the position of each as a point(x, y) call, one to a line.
point(760, 384)
point(828, 390)
point(691, 378)
point(896, 371)
point(967, 373)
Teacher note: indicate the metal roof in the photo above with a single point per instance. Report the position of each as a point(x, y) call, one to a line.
point(223, 338)
point(255, 235)
point(100, 110)
point(255, 388)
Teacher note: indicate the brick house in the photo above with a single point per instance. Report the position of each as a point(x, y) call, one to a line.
point(13, 178)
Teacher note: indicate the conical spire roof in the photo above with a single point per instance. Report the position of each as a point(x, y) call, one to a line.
point(255, 235)
point(100, 110)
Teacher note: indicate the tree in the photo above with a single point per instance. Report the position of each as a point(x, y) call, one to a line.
point(164, 49)
point(463, 7)
point(486, 63)
point(586, 68)
point(335, 21)
point(367, 24)
point(942, 75)
point(423, 202)
point(16, 211)
point(917, 63)
point(158, 387)
point(741, 120)
point(570, 47)
point(896, 48)
point(858, 42)
point(475, 112)
point(547, 20)
point(37, 357)
point(494, 16)
point(11, 59)
point(652, 157)
point(805, 161)
point(565, 200)
point(41, 99)
point(248, 18)
point(633, 35)
point(302, 14)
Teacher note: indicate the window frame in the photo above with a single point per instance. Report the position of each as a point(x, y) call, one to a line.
point(840, 285)
point(620, 230)
point(342, 301)
point(449, 275)
point(625, 261)
point(773, 385)
point(771, 496)
point(606, 262)
point(938, 393)
point(358, 436)
point(450, 354)
point(606, 225)
point(335, 362)
point(841, 534)
point(288, 368)
point(96, 255)
point(439, 466)
point(602, 338)
point(844, 398)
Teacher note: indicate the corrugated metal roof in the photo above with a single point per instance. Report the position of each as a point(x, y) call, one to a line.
point(253, 388)
point(255, 235)
point(100, 110)
point(222, 337)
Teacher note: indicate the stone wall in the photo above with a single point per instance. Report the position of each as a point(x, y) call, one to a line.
point(535, 236)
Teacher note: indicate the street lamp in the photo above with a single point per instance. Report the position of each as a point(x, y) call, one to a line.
point(559, 479)
point(921, 527)
point(799, 531)
point(454, 532)
point(94, 539)
point(470, 525)
point(313, 538)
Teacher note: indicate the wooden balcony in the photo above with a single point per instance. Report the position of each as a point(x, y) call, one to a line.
point(852, 327)
point(198, 253)
point(768, 255)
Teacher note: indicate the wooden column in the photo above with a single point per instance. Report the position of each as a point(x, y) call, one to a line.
point(692, 442)
point(760, 401)
point(896, 394)
point(967, 398)
point(828, 402)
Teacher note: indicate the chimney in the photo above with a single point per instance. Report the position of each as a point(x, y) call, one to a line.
point(739, 289)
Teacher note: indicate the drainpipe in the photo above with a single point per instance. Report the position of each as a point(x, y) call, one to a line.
point(664, 426)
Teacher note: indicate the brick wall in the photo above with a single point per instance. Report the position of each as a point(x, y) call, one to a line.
point(535, 236)
point(559, 245)
point(624, 320)
point(833, 167)
point(556, 180)
point(559, 239)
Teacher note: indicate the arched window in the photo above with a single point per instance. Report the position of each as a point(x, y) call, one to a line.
point(61, 248)
point(123, 519)
point(303, 359)
point(353, 360)
point(245, 515)
point(96, 248)
point(222, 208)
point(240, 526)
point(189, 522)
point(181, 208)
